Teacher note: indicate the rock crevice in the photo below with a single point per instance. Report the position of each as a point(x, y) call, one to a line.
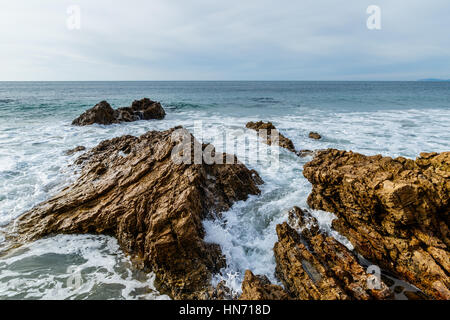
point(314, 266)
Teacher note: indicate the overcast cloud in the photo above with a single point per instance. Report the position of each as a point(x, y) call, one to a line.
point(224, 40)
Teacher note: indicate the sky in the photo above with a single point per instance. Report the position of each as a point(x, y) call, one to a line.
point(223, 40)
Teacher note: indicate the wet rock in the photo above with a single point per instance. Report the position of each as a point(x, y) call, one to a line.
point(394, 211)
point(221, 292)
point(75, 150)
point(399, 289)
point(415, 295)
point(305, 153)
point(314, 266)
point(132, 188)
point(389, 282)
point(314, 135)
point(103, 113)
point(270, 134)
point(259, 288)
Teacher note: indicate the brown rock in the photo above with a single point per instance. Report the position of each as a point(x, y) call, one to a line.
point(130, 187)
point(415, 295)
point(314, 266)
point(148, 109)
point(305, 153)
point(102, 113)
point(221, 292)
point(314, 135)
point(267, 131)
point(260, 288)
point(394, 211)
point(75, 150)
point(399, 289)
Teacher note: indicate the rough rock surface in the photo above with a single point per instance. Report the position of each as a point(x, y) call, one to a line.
point(314, 135)
point(314, 266)
point(394, 211)
point(281, 140)
point(103, 113)
point(260, 288)
point(131, 188)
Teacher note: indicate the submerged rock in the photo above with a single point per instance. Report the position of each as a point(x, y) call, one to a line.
point(314, 135)
point(415, 295)
point(394, 211)
point(103, 113)
point(131, 188)
point(269, 134)
point(75, 150)
point(260, 288)
point(305, 153)
point(314, 266)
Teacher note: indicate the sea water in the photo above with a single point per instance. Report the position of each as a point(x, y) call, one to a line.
point(388, 118)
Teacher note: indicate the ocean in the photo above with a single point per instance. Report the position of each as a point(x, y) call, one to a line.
point(388, 118)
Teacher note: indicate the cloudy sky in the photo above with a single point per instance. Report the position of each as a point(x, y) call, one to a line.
point(224, 40)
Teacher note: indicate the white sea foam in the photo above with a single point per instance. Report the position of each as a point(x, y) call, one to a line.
point(42, 270)
point(33, 167)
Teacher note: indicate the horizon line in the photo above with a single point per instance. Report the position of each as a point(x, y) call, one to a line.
point(417, 80)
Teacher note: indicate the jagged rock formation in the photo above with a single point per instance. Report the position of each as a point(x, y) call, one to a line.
point(314, 266)
point(314, 135)
point(270, 134)
point(259, 288)
point(132, 188)
point(394, 211)
point(103, 113)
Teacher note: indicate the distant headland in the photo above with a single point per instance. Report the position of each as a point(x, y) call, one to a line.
point(434, 80)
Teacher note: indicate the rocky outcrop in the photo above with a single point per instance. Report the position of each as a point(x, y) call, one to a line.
point(75, 150)
point(270, 134)
point(394, 211)
point(103, 113)
point(314, 266)
point(314, 135)
point(260, 288)
point(134, 188)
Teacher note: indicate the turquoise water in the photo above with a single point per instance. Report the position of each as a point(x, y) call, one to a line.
point(391, 118)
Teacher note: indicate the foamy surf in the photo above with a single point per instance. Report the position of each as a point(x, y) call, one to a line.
point(33, 167)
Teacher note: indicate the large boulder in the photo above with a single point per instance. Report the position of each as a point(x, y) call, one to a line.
point(103, 113)
point(148, 109)
point(315, 266)
point(394, 211)
point(134, 189)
